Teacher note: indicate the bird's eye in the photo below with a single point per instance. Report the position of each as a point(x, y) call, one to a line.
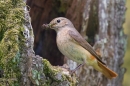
point(58, 21)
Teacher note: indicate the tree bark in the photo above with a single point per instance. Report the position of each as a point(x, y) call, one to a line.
point(20, 65)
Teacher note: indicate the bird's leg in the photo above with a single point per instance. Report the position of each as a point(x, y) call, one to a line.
point(72, 71)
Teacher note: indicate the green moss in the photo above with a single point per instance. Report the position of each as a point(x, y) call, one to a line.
point(55, 74)
point(11, 24)
point(11, 42)
point(48, 70)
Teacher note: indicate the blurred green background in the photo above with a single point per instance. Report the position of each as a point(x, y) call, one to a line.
point(126, 64)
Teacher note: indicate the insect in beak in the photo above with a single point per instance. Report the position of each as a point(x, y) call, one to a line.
point(46, 26)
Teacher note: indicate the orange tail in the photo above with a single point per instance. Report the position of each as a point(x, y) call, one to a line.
point(106, 71)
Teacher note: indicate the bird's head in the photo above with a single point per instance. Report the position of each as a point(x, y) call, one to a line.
point(59, 23)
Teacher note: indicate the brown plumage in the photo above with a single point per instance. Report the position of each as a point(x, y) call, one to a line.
point(106, 71)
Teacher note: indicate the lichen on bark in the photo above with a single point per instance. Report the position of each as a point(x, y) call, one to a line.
point(11, 20)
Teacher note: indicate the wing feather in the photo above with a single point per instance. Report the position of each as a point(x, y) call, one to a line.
point(78, 38)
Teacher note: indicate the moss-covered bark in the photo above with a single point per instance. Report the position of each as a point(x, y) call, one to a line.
point(11, 26)
point(18, 62)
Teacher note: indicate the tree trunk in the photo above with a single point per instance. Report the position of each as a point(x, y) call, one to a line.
point(18, 62)
point(98, 21)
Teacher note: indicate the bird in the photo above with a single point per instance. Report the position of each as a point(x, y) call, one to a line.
point(72, 45)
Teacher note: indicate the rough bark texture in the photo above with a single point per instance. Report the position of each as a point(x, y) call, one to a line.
point(110, 40)
point(111, 19)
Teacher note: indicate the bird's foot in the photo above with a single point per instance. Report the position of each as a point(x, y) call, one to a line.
point(73, 71)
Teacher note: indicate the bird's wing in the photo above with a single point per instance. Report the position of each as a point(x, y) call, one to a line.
point(78, 38)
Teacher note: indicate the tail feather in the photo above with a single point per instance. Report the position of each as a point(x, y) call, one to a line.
point(106, 71)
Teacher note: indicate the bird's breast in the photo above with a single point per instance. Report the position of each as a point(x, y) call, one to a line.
point(70, 48)
point(62, 40)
